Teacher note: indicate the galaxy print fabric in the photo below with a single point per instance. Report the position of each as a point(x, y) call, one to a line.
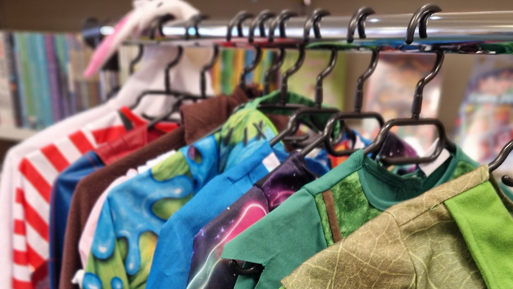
point(208, 270)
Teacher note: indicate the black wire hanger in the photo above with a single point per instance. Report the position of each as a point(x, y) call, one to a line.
point(259, 21)
point(157, 24)
point(499, 160)
point(357, 20)
point(278, 21)
point(415, 119)
point(193, 22)
point(293, 123)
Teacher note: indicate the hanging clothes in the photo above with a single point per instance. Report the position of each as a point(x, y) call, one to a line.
point(327, 210)
point(66, 182)
point(455, 235)
point(86, 239)
point(138, 208)
point(195, 125)
point(207, 270)
point(33, 181)
point(179, 230)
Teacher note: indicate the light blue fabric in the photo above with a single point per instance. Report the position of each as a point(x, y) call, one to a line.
point(172, 258)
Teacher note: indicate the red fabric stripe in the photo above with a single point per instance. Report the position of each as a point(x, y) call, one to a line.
point(53, 154)
point(35, 259)
point(35, 178)
point(40, 275)
point(16, 284)
point(19, 197)
point(36, 221)
point(20, 258)
point(19, 228)
point(108, 134)
point(81, 142)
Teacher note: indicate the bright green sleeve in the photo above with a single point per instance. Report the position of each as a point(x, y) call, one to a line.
point(281, 241)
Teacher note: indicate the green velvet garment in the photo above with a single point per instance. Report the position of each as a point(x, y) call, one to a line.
point(328, 209)
point(457, 235)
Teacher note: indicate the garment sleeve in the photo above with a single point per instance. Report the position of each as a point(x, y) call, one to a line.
point(373, 254)
point(280, 241)
point(107, 269)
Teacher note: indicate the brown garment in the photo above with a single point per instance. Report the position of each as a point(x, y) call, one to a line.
point(198, 119)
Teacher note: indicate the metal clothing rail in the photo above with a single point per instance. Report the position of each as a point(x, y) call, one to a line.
point(451, 30)
point(450, 27)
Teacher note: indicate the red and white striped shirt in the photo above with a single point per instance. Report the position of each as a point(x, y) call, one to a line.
point(33, 182)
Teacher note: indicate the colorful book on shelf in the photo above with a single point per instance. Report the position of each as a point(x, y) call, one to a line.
point(7, 107)
point(37, 82)
point(18, 48)
point(76, 92)
point(53, 76)
point(29, 73)
point(44, 80)
point(62, 55)
point(13, 77)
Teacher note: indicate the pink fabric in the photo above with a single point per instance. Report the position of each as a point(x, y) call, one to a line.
point(86, 239)
point(134, 24)
point(101, 52)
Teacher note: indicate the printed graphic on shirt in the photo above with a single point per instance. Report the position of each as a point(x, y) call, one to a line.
point(134, 212)
point(208, 270)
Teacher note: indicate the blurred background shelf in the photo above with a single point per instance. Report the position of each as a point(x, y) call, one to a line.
point(14, 134)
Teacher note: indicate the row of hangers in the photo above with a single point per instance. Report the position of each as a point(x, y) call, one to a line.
point(335, 126)
point(301, 112)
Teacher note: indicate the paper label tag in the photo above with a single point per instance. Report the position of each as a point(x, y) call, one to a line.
point(271, 162)
point(151, 163)
point(78, 278)
point(429, 168)
point(314, 153)
point(359, 143)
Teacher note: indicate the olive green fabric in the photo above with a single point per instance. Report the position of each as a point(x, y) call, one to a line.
point(300, 227)
point(424, 243)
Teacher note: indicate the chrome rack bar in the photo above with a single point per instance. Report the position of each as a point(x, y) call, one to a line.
point(381, 30)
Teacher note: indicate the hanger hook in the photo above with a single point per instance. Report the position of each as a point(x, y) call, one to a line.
point(499, 160)
point(140, 52)
point(358, 19)
point(314, 20)
point(501, 157)
point(205, 69)
point(310, 22)
point(274, 68)
point(280, 21)
point(260, 22)
point(255, 269)
point(237, 20)
point(322, 76)
point(358, 98)
point(420, 18)
point(193, 22)
point(173, 63)
point(157, 24)
point(419, 90)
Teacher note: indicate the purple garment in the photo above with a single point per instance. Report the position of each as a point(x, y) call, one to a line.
point(208, 270)
point(393, 146)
